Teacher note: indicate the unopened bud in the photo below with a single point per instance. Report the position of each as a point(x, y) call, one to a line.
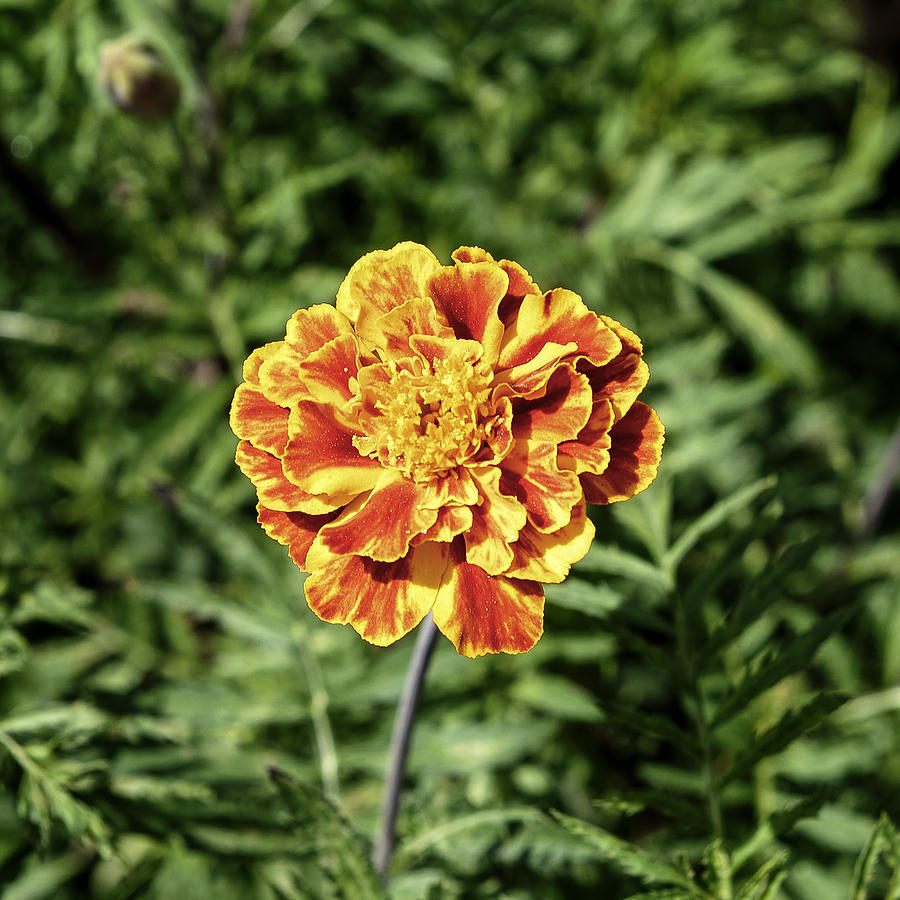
point(136, 78)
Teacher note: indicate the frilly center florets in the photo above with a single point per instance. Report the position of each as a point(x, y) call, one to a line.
point(425, 417)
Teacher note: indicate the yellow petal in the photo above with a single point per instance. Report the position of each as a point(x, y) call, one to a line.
point(451, 521)
point(382, 280)
point(320, 457)
point(468, 296)
point(531, 474)
point(382, 523)
point(295, 530)
point(556, 414)
point(382, 601)
point(484, 613)
point(311, 328)
point(257, 419)
point(416, 316)
point(530, 378)
point(496, 523)
point(274, 490)
point(637, 441)
point(548, 557)
point(560, 316)
point(590, 451)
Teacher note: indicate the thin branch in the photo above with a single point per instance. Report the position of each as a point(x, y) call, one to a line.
point(879, 490)
point(236, 31)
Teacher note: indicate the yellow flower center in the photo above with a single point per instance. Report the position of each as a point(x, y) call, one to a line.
point(423, 417)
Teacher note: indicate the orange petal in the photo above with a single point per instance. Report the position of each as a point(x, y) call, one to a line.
point(559, 413)
point(471, 255)
point(531, 474)
point(484, 613)
point(252, 363)
point(295, 530)
point(469, 295)
point(620, 382)
point(279, 375)
point(272, 488)
point(548, 557)
point(456, 488)
point(623, 378)
point(637, 440)
point(320, 457)
point(382, 601)
point(382, 280)
point(498, 436)
point(496, 523)
point(451, 521)
point(309, 329)
point(520, 282)
point(327, 372)
point(559, 316)
point(531, 377)
point(590, 452)
point(435, 349)
point(258, 420)
point(381, 524)
point(630, 341)
point(416, 316)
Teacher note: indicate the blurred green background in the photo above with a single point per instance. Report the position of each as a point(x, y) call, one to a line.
point(714, 709)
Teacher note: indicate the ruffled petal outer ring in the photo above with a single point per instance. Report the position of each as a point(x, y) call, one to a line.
point(430, 442)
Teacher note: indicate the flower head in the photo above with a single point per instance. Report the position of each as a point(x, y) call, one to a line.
point(136, 78)
point(429, 443)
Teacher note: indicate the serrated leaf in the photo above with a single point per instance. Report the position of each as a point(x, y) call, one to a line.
point(62, 604)
point(758, 595)
point(838, 828)
point(557, 696)
point(884, 840)
point(603, 602)
point(713, 518)
point(673, 894)
point(668, 803)
point(13, 651)
point(57, 721)
point(339, 847)
point(612, 560)
point(765, 880)
point(466, 747)
point(421, 843)
point(789, 727)
point(251, 624)
point(44, 797)
point(749, 314)
point(45, 878)
point(778, 824)
point(779, 663)
point(656, 726)
point(629, 858)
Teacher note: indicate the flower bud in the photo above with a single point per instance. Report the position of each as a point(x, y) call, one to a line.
point(136, 78)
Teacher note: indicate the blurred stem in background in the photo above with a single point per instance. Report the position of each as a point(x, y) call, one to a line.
point(400, 740)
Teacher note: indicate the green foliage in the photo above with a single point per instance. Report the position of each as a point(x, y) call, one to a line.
point(712, 711)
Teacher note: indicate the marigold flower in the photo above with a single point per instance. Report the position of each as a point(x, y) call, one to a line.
point(429, 444)
point(137, 79)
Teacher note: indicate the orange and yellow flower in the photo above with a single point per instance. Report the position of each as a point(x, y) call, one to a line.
point(429, 444)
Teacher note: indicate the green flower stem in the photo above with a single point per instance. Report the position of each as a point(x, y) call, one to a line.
point(318, 712)
point(400, 740)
